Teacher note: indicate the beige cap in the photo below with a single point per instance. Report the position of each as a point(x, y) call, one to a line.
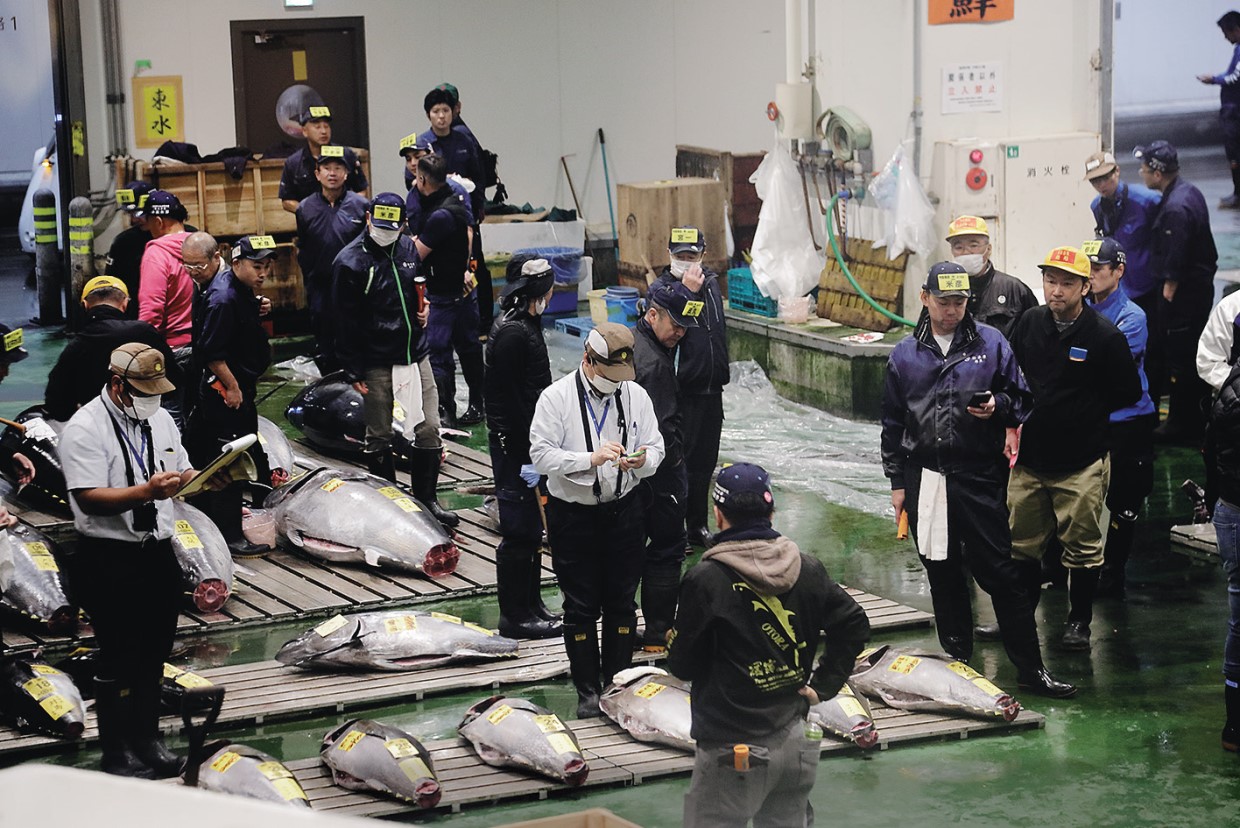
point(1099, 165)
point(142, 367)
point(610, 348)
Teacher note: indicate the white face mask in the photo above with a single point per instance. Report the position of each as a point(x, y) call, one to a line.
point(603, 385)
point(143, 408)
point(679, 268)
point(540, 305)
point(383, 237)
point(973, 263)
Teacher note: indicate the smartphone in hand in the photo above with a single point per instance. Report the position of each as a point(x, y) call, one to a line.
point(979, 399)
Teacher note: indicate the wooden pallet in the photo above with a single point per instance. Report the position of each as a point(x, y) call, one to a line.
point(463, 467)
point(615, 759)
point(1196, 540)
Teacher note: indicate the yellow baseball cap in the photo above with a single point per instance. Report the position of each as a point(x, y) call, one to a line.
point(102, 282)
point(1070, 260)
point(968, 226)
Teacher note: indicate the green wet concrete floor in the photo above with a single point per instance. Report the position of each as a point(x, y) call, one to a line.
point(1138, 746)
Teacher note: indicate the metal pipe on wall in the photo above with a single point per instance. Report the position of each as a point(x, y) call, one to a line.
point(1106, 80)
point(114, 78)
point(792, 41)
point(917, 111)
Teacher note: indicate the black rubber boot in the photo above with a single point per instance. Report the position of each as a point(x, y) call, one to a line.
point(581, 644)
point(1082, 585)
point(144, 738)
point(424, 481)
point(1231, 730)
point(112, 705)
point(447, 400)
point(619, 635)
point(1111, 582)
point(473, 371)
point(536, 601)
point(1031, 580)
point(380, 464)
point(517, 618)
point(660, 589)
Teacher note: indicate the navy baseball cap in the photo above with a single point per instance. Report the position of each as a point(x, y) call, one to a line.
point(1104, 251)
point(387, 211)
point(11, 349)
point(414, 143)
point(314, 113)
point(163, 204)
point(680, 302)
point(742, 478)
point(947, 279)
point(133, 196)
point(529, 277)
point(331, 153)
point(686, 240)
point(1160, 156)
point(254, 248)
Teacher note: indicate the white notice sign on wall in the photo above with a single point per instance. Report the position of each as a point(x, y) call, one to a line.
point(972, 87)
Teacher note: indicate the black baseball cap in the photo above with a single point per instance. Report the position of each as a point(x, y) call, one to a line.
point(1160, 156)
point(387, 211)
point(1104, 251)
point(331, 153)
point(413, 143)
point(163, 204)
point(686, 240)
point(528, 277)
point(254, 248)
point(11, 349)
point(947, 279)
point(681, 303)
point(314, 113)
point(742, 478)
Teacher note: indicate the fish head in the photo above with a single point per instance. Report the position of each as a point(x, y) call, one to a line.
point(333, 634)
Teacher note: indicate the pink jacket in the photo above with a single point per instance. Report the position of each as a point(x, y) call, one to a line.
point(166, 291)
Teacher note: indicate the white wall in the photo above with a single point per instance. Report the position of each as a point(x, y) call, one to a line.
point(1159, 54)
point(29, 106)
point(539, 79)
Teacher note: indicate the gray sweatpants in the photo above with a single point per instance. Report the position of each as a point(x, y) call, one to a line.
point(377, 408)
point(774, 792)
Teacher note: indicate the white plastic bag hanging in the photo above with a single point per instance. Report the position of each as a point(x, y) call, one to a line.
point(913, 228)
point(785, 263)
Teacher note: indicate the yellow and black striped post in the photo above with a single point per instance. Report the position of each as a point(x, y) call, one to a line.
point(47, 259)
point(81, 253)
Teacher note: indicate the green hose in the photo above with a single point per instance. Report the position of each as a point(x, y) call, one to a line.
point(835, 247)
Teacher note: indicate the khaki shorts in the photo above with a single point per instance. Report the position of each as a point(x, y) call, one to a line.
point(1066, 504)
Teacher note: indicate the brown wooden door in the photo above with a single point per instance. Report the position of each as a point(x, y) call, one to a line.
point(281, 66)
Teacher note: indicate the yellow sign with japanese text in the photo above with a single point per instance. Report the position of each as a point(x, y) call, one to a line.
point(158, 110)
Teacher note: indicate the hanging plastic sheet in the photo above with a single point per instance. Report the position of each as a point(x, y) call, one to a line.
point(785, 263)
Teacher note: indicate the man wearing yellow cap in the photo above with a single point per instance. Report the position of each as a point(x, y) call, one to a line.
point(1080, 369)
point(996, 298)
point(82, 368)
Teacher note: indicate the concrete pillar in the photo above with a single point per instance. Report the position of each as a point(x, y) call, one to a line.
point(47, 259)
point(81, 255)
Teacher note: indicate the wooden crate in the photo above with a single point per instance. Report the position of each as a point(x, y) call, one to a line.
point(219, 204)
point(649, 210)
point(882, 278)
point(733, 171)
point(284, 287)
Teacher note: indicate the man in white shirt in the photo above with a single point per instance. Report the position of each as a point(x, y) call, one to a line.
point(595, 436)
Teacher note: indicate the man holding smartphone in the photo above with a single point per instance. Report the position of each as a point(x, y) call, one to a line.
point(953, 391)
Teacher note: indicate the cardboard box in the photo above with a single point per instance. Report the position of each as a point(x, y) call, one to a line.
point(593, 818)
point(648, 211)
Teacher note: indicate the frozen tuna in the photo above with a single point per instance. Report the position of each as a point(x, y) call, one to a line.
point(651, 705)
point(846, 715)
point(32, 584)
point(924, 681)
point(398, 640)
point(202, 553)
point(243, 771)
point(278, 450)
point(38, 697)
point(353, 517)
point(510, 732)
point(365, 755)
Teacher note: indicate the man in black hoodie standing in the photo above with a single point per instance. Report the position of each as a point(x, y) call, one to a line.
point(751, 617)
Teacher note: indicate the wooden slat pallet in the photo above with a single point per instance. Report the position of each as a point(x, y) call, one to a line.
point(1196, 540)
point(464, 466)
point(615, 759)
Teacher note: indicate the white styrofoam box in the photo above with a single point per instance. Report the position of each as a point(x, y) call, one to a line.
point(510, 236)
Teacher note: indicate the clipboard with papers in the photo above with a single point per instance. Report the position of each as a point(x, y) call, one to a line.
point(228, 455)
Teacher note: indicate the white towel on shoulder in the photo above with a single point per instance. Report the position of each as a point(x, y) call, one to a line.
point(932, 516)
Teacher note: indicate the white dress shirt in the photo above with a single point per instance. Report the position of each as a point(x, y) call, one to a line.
point(561, 445)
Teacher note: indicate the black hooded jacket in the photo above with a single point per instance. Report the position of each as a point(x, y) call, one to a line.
point(517, 371)
point(376, 306)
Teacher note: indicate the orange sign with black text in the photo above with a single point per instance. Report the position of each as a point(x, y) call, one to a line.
point(971, 11)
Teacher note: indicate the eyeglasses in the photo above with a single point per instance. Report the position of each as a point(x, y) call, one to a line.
point(199, 268)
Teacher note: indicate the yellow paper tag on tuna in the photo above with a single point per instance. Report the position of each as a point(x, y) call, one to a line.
point(274, 770)
point(189, 540)
point(350, 741)
point(37, 548)
point(225, 761)
point(45, 563)
point(44, 670)
point(851, 706)
point(320, 112)
point(684, 235)
point(562, 743)
point(986, 687)
point(332, 151)
point(38, 688)
point(401, 623)
point(477, 629)
point(650, 689)
point(443, 616)
point(416, 769)
point(183, 527)
point(499, 714)
point(188, 679)
point(904, 664)
point(549, 724)
point(400, 748)
point(331, 625)
point(262, 243)
point(962, 669)
point(332, 485)
point(384, 212)
point(56, 706)
point(288, 788)
point(391, 492)
point(407, 505)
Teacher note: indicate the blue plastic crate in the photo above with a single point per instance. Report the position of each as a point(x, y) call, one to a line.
point(744, 295)
point(578, 326)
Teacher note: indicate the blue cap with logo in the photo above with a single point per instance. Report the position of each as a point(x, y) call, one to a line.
point(387, 211)
point(1160, 156)
point(947, 279)
point(742, 478)
point(254, 248)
